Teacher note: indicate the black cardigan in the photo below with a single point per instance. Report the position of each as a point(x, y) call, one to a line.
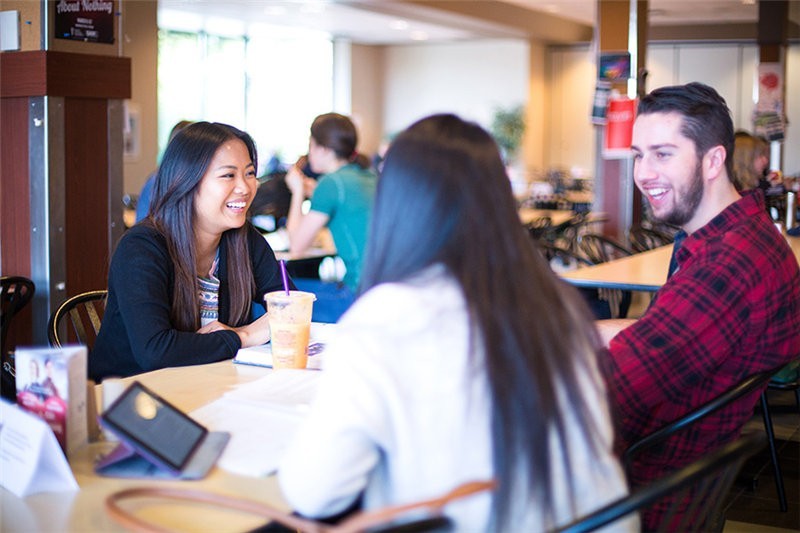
point(137, 335)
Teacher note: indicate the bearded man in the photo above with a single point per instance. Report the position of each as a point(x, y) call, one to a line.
point(731, 305)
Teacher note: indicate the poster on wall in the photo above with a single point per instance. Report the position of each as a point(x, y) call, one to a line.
point(768, 119)
point(85, 20)
point(614, 66)
point(602, 91)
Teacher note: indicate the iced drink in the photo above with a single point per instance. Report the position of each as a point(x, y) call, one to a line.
point(290, 327)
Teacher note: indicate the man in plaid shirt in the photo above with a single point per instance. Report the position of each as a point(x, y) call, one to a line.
point(731, 305)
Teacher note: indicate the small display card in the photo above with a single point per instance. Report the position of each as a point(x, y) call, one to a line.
point(31, 460)
point(51, 384)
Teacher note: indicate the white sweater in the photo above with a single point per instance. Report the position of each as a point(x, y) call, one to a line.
point(403, 415)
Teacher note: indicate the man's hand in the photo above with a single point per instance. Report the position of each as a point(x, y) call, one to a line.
point(608, 329)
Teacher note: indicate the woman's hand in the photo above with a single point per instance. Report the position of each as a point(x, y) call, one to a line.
point(213, 326)
point(253, 334)
point(295, 180)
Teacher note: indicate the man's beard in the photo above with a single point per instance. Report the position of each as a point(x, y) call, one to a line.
point(686, 206)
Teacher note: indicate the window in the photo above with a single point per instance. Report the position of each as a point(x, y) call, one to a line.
point(271, 84)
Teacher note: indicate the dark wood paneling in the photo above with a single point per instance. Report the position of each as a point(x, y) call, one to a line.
point(15, 216)
point(49, 73)
point(86, 194)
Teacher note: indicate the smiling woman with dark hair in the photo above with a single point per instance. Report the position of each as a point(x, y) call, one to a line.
point(464, 357)
point(181, 282)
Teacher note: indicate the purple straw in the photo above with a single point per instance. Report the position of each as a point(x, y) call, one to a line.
point(284, 276)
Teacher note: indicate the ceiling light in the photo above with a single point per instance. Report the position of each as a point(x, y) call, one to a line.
point(398, 24)
point(418, 35)
point(274, 11)
point(313, 9)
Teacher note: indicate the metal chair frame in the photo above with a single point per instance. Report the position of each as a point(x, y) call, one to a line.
point(711, 477)
point(754, 382)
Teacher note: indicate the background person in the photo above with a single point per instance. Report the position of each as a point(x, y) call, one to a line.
point(751, 165)
point(342, 200)
point(452, 368)
point(143, 202)
point(731, 306)
point(181, 283)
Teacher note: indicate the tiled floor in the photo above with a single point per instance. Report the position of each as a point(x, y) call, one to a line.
point(753, 505)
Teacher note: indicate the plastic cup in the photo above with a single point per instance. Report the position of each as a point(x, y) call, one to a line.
point(290, 327)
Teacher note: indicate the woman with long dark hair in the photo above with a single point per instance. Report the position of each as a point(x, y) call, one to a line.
point(341, 201)
point(182, 281)
point(464, 358)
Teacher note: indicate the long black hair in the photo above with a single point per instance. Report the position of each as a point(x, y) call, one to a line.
point(182, 168)
point(444, 197)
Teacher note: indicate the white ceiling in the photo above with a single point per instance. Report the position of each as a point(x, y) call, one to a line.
point(662, 12)
point(395, 22)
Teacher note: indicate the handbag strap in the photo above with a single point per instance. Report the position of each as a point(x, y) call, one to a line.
point(359, 522)
point(368, 519)
point(134, 523)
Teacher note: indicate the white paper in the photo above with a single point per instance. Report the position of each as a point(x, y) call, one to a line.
point(262, 355)
point(31, 460)
point(262, 417)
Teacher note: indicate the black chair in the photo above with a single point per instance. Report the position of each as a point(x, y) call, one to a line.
point(601, 249)
point(561, 259)
point(538, 227)
point(84, 312)
point(753, 383)
point(706, 480)
point(643, 239)
point(601, 303)
point(15, 293)
point(791, 385)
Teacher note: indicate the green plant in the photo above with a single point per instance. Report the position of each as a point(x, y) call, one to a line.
point(508, 126)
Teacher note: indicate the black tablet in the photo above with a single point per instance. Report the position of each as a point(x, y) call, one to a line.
point(153, 427)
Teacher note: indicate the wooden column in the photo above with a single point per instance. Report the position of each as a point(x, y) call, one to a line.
point(61, 172)
point(615, 193)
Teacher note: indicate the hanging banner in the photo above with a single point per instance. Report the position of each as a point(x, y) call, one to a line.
point(602, 92)
point(619, 128)
point(85, 20)
point(768, 117)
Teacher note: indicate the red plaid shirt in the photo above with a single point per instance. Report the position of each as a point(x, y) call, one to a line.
point(732, 309)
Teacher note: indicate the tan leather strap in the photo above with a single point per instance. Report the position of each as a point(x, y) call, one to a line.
point(135, 523)
point(368, 519)
point(358, 522)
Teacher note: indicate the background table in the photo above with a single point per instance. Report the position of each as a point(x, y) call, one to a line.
point(188, 388)
point(645, 271)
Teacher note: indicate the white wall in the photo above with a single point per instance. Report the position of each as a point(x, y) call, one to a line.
point(791, 146)
point(470, 79)
point(570, 143)
point(730, 68)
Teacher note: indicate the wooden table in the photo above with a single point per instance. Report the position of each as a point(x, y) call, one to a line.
point(188, 388)
point(646, 271)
